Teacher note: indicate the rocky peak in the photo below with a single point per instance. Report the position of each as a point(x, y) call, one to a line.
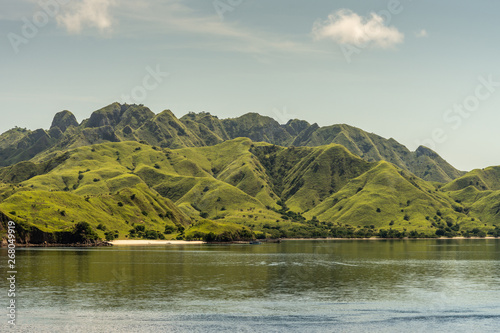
point(107, 116)
point(63, 120)
point(421, 150)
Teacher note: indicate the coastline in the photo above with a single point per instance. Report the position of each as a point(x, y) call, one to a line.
point(378, 238)
point(142, 242)
point(45, 244)
point(147, 242)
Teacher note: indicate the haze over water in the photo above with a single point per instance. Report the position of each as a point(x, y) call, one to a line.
point(313, 286)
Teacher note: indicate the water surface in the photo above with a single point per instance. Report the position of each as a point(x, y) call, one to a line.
point(298, 286)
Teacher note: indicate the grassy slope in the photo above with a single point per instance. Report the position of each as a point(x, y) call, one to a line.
point(222, 181)
point(233, 163)
point(424, 162)
point(479, 192)
point(304, 176)
point(52, 211)
point(237, 181)
point(232, 230)
point(95, 185)
point(396, 194)
point(104, 172)
point(482, 179)
point(12, 137)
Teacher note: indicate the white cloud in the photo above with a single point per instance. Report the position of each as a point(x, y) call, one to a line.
point(346, 27)
point(87, 13)
point(421, 34)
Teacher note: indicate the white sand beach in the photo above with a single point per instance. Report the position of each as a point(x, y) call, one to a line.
point(153, 242)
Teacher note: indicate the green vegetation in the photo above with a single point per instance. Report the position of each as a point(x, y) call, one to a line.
point(211, 231)
point(83, 232)
point(140, 231)
point(127, 173)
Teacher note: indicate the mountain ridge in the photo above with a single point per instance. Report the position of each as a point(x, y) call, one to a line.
point(122, 122)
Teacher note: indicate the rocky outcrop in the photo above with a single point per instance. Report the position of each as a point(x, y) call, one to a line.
point(63, 120)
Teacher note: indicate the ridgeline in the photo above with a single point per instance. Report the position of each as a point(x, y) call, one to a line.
point(130, 173)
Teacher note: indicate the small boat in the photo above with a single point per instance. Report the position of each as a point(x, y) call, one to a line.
point(255, 243)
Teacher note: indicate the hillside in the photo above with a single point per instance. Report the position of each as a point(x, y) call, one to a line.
point(246, 188)
point(119, 123)
point(423, 162)
point(481, 179)
point(479, 192)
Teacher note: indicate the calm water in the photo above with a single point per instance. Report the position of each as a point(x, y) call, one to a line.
point(298, 286)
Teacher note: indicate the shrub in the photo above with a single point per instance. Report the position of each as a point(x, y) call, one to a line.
point(169, 229)
point(440, 232)
point(210, 237)
point(83, 232)
point(111, 235)
point(140, 227)
point(151, 234)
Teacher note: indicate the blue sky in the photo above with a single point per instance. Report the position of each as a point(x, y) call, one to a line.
point(422, 72)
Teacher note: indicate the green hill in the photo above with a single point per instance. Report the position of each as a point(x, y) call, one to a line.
point(130, 173)
point(246, 189)
point(384, 195)
point(481, 179)
point(303, 177)
point(479, 192)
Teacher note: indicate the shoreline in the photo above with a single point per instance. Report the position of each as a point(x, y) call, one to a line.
point(96, 244)
point(378, 238)
point(153, 242)
point(141, 242)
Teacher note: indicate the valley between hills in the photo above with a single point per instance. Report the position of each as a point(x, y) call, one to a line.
point(128, 173)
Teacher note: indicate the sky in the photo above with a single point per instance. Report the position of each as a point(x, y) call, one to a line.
point(421, 72)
